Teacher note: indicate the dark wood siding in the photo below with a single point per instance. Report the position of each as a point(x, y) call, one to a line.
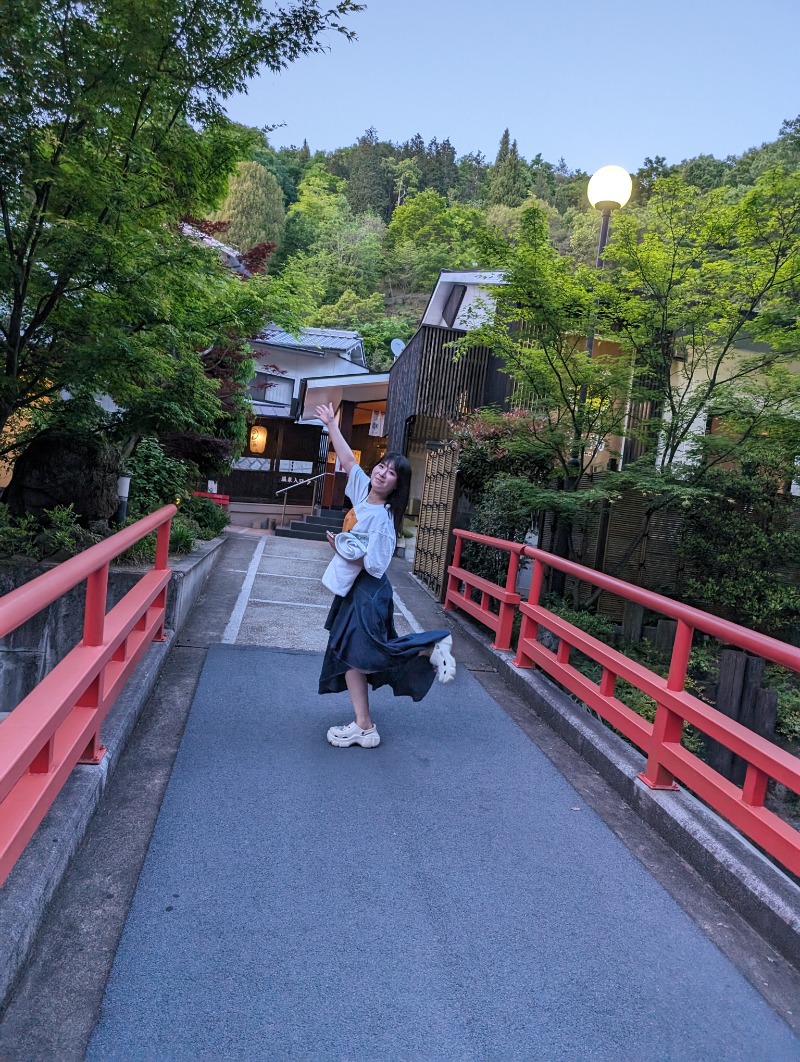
point(428, 387)
point(286, 441)
point(401, 396)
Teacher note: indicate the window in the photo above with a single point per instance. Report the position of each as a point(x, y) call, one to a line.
point(271, 390)
point(453, 304)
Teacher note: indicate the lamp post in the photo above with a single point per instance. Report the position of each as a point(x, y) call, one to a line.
point(123, 489)
point(609, 188)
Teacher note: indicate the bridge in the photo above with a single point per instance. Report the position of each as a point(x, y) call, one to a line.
point(481, 886)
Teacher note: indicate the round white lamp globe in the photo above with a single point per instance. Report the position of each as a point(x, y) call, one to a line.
point(611, 186)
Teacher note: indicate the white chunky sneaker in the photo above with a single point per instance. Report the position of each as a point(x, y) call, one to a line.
point(443, 660)
point(352, 734)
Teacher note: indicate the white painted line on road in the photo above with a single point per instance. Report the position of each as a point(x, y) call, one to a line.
point(235, 622)
point(280, 575)
point(294, 604)
point(409, 618)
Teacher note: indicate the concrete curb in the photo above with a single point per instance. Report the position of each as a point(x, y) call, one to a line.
point(763, 895)
point(33, 882)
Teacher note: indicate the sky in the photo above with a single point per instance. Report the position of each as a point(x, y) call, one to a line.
point(592, 82)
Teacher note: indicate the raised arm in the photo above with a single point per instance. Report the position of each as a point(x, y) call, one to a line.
point(346, 456)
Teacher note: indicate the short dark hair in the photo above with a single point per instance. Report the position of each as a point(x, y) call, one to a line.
point(398, 499)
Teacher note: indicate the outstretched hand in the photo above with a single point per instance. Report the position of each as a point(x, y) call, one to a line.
point(325, 414)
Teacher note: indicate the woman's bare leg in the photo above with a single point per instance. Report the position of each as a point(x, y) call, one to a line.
point(359, 695)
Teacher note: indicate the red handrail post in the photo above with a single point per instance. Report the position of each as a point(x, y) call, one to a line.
point(754, 790)
point(94, 622)
point(451, 579)
point(162, 558)
point(681, 649)
point(93, 698)
point(507, 609)
point(668, 725)
point(94, 619)
point(530, 627)
point(162, 545)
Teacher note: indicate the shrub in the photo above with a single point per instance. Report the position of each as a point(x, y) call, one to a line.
point(156, 479)
point(787, 683)
point(495, 443)
point(211, 519)
point(182, 536)
point(505, 510)
point(181, 540)
point(59, 532)
point(603, 629)
point(18, 534)
point(740, 543)
point(63, 534)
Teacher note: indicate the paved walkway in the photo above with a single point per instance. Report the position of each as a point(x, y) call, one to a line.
point(445, 896)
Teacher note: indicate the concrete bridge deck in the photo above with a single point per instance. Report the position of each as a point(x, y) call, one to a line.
point(455, 894)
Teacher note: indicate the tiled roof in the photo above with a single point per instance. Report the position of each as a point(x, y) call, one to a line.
point(316, 341)
point(230, 257)
point(310, 338)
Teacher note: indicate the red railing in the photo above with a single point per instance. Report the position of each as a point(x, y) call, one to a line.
point(667, 759)
point(502, 621)
point(58, 724)
point(223, 500)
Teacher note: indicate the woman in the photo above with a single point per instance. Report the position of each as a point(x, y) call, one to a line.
point(363, 647)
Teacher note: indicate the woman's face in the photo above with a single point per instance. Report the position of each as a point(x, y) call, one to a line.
point(383, 479)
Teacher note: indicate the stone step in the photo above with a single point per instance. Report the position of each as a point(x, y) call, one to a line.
point(323, 521)
point(313, 527)
point(289, 532)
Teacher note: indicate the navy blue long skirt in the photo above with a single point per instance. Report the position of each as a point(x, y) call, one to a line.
point(363, 637)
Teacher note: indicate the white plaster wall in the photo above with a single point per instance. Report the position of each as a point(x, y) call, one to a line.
point(476, 283)
point(303, 366)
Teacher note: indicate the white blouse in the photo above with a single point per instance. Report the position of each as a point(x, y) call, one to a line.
point(374, 524)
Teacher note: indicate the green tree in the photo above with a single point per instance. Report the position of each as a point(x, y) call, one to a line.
point(114, 131)
point(470, 179)
point(740, 542)
point(406, 178)
point(426, 235)
point(254, 208)
point(438, 169)
point(648, 173)
point(368, 317)
point(369, 184)
point(784, 152)
point(343, 251)
point(509, 181)
point(702, 293)
point(543, 179)
point(288, 165)
point(705, 172)
point(574, 402)
point(320, 201)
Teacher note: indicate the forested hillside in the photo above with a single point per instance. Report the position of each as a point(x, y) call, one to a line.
point(361, 233)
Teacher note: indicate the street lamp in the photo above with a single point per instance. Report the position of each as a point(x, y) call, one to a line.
point(610, 187)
